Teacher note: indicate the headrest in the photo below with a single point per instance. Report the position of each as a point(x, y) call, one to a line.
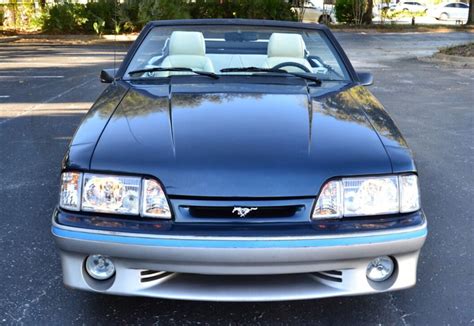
point(286, 45)
point(187, 43)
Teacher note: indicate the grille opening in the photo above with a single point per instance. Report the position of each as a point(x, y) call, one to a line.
point(149, 276)
point(333, 276)
point(230, 212)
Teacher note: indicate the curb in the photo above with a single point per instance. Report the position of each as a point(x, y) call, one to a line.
point(452, 60)
point(8, 39)
point(80, 38)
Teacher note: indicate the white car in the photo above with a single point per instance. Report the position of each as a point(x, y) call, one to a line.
point(451, 11)
point(411, 6)
point(313, 12)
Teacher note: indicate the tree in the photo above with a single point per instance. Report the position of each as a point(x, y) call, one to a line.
point(470, 17)
point(367, 17)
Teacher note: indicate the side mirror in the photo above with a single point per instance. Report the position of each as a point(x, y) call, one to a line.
point(365, 78)
point(108, 75)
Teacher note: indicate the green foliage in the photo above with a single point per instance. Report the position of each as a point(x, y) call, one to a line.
point(1, 16)
point(255, 9)
point(101, 11)
point(22, 16)
point(103, 16)
point(149, 10)
point(350, 11)
point(127, 14)
point(66, 18)
point(213, 9)
point(117, 27)
point(99, 26)
point(266, 9)
point(395, 14)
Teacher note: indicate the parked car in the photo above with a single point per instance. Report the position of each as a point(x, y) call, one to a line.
point(316, 12)
point(384, 7)
point(450, 11)
point(238, 160)
point(411, 6)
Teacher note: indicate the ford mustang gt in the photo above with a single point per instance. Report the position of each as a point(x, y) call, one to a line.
point(238, 160)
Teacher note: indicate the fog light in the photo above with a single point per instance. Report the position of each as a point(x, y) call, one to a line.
point(380, 269)
point(100, 267)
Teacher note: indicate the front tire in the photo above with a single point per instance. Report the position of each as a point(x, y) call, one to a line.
point(444, 16)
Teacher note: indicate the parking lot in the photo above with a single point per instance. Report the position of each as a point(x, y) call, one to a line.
point(46, 88)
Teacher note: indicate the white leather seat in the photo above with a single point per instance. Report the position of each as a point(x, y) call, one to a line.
point(285, 47)
point(187, 50)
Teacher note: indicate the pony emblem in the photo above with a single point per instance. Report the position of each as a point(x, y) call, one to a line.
point(243, 211)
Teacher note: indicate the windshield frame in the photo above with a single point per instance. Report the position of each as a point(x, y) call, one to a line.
point(344, 60)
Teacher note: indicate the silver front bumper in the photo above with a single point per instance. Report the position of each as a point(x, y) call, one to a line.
point(239, 269)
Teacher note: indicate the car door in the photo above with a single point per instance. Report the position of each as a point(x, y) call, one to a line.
point(311, 14)
point(450, 9)
point(462, 11)
point(408, 5)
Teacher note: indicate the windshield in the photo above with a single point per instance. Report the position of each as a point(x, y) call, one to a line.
point(235, 50)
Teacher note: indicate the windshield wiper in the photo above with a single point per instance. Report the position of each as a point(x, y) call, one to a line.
point(306, 76)
point(156, 69)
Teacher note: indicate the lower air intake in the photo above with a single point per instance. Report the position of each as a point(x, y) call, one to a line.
point(150, 276)
point(333, 276)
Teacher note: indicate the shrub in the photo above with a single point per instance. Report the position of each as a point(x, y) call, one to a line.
point(350, 11)
point(131, 15)
point(157, 10)
point(101, 14)
point(66, 18)
point(21, 16)
point(256, 9)
point(266, 9)
point(213, 9)
point(127, 16)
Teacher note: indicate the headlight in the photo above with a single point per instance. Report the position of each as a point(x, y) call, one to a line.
point(113, 194)
point(368, 196)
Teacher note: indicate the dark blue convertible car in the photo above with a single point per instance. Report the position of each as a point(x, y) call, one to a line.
point(238, 160)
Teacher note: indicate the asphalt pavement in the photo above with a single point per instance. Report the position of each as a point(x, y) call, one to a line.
point(45, 89)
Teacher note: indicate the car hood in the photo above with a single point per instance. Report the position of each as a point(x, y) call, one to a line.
point(281, 142)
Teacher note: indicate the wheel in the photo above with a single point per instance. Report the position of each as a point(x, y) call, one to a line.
point(405, 9)
point(324, 19)
point(444, 16)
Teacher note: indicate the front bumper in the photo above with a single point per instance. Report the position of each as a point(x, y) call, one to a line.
point(239, 268)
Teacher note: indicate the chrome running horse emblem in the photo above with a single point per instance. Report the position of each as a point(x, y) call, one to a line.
point(243, 211)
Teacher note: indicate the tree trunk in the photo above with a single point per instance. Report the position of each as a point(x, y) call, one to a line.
point(367, 17)
point(470, 17)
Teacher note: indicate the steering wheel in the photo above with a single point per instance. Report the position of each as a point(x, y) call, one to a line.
point(292, 64)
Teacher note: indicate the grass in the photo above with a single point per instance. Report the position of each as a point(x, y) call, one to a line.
point(464, 50)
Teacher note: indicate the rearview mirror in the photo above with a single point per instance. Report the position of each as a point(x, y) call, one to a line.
point(365, 78)
point(108, 75)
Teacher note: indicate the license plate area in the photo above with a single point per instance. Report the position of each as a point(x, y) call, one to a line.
point(243, 211)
